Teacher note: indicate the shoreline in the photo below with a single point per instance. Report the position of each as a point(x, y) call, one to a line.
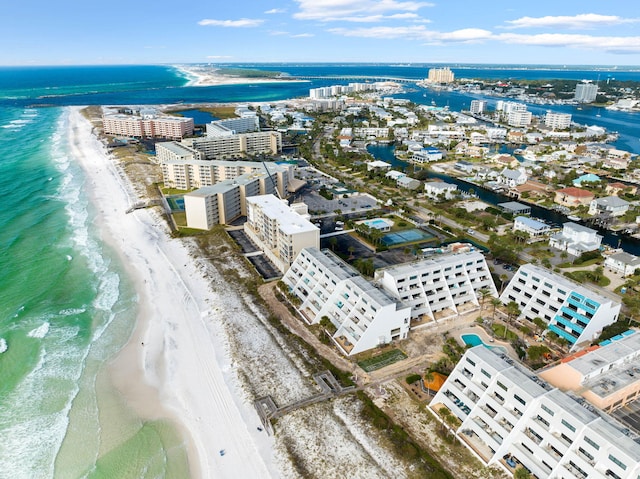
point(198, 77)
point(174, 366)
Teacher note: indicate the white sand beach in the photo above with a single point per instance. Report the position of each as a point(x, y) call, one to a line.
point(209, 76)
point(176, 365)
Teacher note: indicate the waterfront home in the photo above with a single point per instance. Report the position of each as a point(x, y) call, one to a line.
point(623, 263)
point(515, 136)
point(617, 163)
point(439, 189)
point(609, 205)
point(426, 155)
point(378, 165)
point(512, 178)
point(532, 226)
point(464, 166)
point(576, 239)
point(506, 161)
point(394, 175)
point(573, 197)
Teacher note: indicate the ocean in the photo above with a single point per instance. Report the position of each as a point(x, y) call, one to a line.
point(66, 303)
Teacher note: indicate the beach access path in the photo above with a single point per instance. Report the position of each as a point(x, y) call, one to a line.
point(176, 365)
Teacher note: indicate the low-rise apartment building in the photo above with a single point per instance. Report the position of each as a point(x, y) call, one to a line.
point(510, 417)
point(608, 376)
point(570, 310)
point(624, 263)
point(279, 230)
point(362, 315)
point(440, 287)
point(237, 145)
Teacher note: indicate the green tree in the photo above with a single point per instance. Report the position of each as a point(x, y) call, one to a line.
point(444, 414)
point(521, 473)
point(513, 311)
point(428, 378)
point(537, 352)
point(495, 302)
point(540, 323)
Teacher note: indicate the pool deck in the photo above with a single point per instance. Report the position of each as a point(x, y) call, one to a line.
point(486, 339)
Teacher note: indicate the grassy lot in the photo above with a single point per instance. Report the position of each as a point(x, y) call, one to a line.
point(382, 360)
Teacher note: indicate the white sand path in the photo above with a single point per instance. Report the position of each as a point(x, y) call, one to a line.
point(175, 365)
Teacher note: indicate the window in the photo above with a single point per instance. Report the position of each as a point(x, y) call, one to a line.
point(470, 361)
point(617, 462)
point(519, 399)
point(502, 386)
point(568, 426)
point(562, 292)
point(585, 454)
point(547, 410)
point(485, 373)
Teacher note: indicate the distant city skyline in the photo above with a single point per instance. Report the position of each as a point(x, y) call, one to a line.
point(393, 31)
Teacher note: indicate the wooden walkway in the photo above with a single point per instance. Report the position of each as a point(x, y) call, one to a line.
point(329, 388)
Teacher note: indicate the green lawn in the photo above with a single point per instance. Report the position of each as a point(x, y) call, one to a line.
point(382, 360)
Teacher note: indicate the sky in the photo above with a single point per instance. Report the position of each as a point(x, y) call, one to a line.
point(558, 32)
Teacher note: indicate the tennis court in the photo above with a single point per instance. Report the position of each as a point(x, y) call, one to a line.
point(407, 236)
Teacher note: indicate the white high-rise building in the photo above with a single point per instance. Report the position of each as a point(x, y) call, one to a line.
point(362, 315)
point(557, 121)
point(281, 231)
point(478, 106)
point(509, 417)
point(586, 92)
point(519, 118)
point(171, 127)
point(439, 287)
point(440, 75)
point(570, 310)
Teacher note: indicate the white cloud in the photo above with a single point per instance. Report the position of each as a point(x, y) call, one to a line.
point(582, 21)
point(218, 57)
point(275, 10)
point(290, 35)
point(243, 22)
point(303, 35)
point(608, 44)
point(353, 10)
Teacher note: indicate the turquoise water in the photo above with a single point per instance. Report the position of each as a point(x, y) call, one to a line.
point(66, 303)
point(475, 340)
point(66, 308)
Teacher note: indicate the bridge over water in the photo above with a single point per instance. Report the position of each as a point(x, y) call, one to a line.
point(356, 77)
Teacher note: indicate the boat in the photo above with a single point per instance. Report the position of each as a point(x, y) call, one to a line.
point(574, 218)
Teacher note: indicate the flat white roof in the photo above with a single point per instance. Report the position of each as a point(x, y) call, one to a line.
point(288, 221)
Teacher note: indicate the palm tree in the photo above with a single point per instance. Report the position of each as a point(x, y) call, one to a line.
point(513, 311)
point(444, 414)
point(495, 302)
point(503, 278)
point(483, 293)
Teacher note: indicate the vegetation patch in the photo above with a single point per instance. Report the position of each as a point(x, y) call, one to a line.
point(381, 360)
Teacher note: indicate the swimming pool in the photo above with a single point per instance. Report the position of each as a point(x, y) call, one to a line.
point(475, 340)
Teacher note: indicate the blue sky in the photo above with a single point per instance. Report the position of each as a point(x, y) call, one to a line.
point(38, 32)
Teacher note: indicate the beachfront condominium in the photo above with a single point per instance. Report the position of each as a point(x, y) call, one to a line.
point(509, 417)
point(281, 231)
point(586, 92)
point(440, 75)
point(439, 287)
point(186, 174)
point(237, 145)
point(233, 126)
point(170, 127)
point(361, 316)
point(570, 310)
point(225, 201)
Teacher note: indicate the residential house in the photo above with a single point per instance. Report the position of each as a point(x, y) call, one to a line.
point(576, 239)
point(532, 226)
point(609, 205)
point(617, 188)
point(512, 178)
point(624, 263)
point(439, 189)
point(408, 183)
point(573, 197)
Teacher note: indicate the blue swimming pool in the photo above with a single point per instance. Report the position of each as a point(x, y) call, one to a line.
point(475, 340)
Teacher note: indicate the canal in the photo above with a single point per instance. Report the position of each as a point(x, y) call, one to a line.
point(555, 218)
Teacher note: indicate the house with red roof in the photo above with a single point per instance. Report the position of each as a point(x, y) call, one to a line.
point(573, 197)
